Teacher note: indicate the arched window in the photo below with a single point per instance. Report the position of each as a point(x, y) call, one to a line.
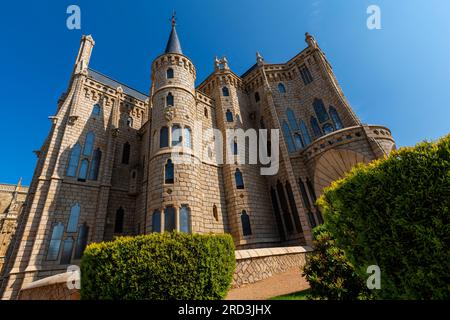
point(81, 241)
point(285, 208)
point(118, 225)
point(316, 128)
point(327, 128)
point(205, 112)
point(298, 141)
point(156, 221)
point(239, 179)
point(82, 175)
point(176, 135)
point(305, 133)
point(187, 138)
point(169, 100)
point(229, 116)
point(126, 153)
point(73, 160)
point(185, 225)
point(288, 137)
point(276, 210)
point(320, 110)
point(96, 110)
point(95, 166)
point(164, 137)
point(130, 122)
point(246, 227)
point(72, 226)
point(55, 241)
point(281, 88)
point(257, 97)
point(291, 119)
point(235, 148)
point(290, 194)
point(335, 117)
point(89, 144)
point(168, 172)
point(170, 73)
point(215, 213)
point(225, 92)
point(169, 219)
point(66, 255)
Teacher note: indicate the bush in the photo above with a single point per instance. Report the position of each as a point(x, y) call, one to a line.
point(159, 267)
point(329, 273)
point(394, 213)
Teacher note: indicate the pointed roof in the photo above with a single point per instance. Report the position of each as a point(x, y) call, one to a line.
point(173, 45)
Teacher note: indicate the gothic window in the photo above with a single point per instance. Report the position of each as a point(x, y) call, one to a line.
point(281, 88)
point(285, 208)
point(305, 198)
point(156, 221)
point(73, 160)
point(291, 119)
point(335, 117)
point(257, 97)
point(169, 219)
point(187, 138)
point(290, 194)
point(229, 116)
point(130, 122)
point(89, 144)
point(185, 213)
point(55, 241)
point(170, 73)
point(118, 225)
point(205, 111)
point(168, 172)
point(176, 135)
point(246, 227)
point(306, 75)
point(316, 128)
point(82, 175)
point(239, 179)
point(276, 210)
point(95, 166)
point(96, 110)
point(235, 148)
point(215, 214)
point(164, 137)
point(305, 132)
point(66, 255)
point(327, 128)
point(169, 100)
point(81, 241)
point(288, 137)
point(225, 92)
point(73, 218)
point(298, 141)
point(126, 153)
point(320, 110)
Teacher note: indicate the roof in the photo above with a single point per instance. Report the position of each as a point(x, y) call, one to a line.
point(173, 45)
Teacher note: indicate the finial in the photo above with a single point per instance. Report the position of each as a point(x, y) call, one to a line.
point(259, 58)
point(309, 39)
point(173, 20)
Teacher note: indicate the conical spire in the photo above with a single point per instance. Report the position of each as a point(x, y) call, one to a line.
point(173, 45)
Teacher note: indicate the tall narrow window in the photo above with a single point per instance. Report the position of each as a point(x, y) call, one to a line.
point(316, 128)
point(229, 116)
point(246, 227)
point(312, 193)
point(156, 221)
point(96, 110)
point(126, 150)
point(225, 92)
point(235, 148)
point(327, 128)
point(239, 179)
point(298, 141)
point(168, 172)
point(215, 213)
point(257, 97)
point(205, 112)
point(169, 100)
point(285, 208)
point(164, 137)
point(187, 138)
point(170, 73)
point(169, 219)
point(276, 210)
point(307, 204)
point(73, 160)
point(290, 194)
point(288, 137)
point(95, 166)
point(72, 226)
point(306, 75)
point(185, 225)
point(66, 255)
point(55, 241)
point(118, 225)
point(281, 88)
point(320, 110)
point(176, 135)
point(305, 133)
point(82, 175)
point(291, 119)
point(130, 122)
point(89, 144)
point(81, 241)
point(335, 117)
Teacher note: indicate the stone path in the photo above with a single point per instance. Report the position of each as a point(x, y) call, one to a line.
point(280, 284)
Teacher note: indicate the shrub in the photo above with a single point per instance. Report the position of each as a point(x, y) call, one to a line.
point(329, 273)
point(159, 267)
point(394, 213)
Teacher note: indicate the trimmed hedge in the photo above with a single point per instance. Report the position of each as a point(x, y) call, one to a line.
point(394, 213)
point(158, 266)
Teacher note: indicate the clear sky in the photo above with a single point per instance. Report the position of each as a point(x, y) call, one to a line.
point(398, 76)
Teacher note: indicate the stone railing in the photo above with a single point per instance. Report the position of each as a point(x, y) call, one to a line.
point(51, 288)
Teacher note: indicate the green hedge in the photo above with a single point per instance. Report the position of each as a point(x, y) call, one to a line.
point(394, 213)
point(159, 267)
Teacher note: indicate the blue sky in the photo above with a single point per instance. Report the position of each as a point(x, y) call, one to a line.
point(398, 76)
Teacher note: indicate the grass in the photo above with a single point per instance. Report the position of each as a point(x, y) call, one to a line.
point(301, 295)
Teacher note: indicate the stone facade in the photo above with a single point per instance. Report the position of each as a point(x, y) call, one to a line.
point(106, 168)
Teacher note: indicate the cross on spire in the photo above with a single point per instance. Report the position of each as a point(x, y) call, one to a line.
point(173, 20)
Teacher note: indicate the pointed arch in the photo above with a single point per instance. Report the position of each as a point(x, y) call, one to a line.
point(55, 242)
point(89, 144)
point(281, 88)
point(74, 158)
point(335, 117)
point(96, 110)
point(72, 225)
point(288, 137)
